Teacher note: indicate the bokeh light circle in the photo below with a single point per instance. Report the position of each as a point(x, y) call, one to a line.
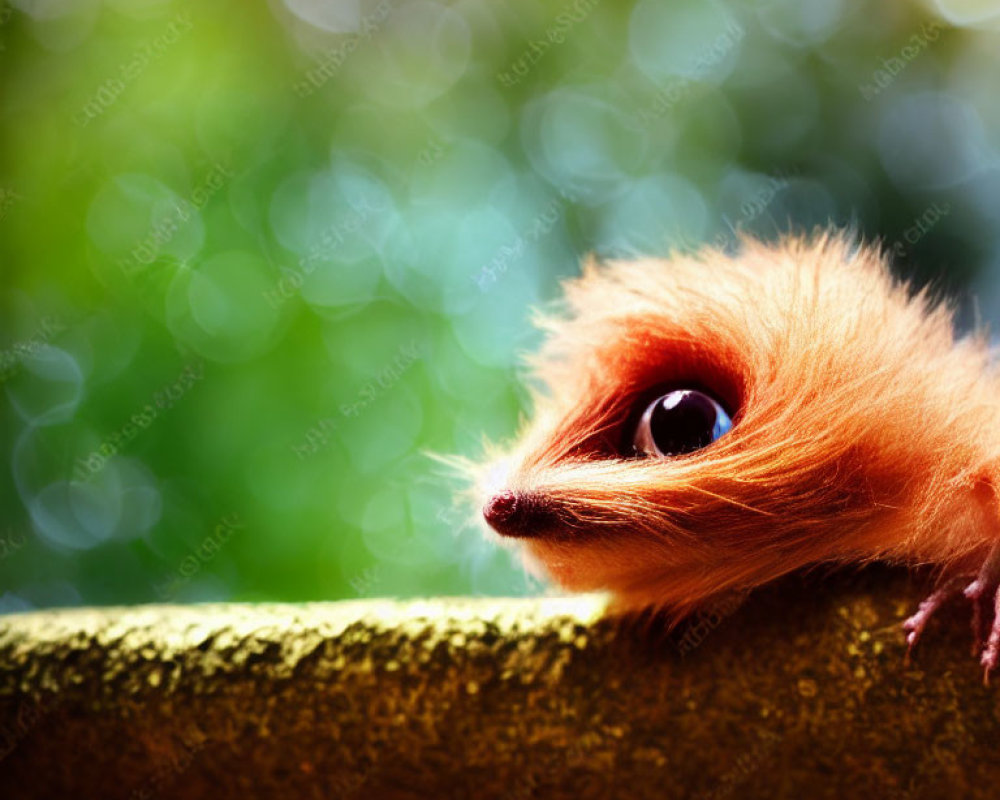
point(224, 309)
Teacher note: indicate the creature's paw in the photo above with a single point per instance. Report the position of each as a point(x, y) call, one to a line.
point(985, 589)
point(915, 624)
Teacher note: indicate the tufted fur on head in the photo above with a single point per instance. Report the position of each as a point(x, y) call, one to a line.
point(862, 428)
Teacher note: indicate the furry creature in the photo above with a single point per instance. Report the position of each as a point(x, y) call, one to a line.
point(709, 422)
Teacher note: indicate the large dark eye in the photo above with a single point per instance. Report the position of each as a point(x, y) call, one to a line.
point(679, 422)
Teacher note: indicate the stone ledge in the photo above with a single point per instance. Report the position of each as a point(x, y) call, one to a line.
point(800, 691)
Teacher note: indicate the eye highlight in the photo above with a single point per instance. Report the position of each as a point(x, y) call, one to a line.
point(679, 422)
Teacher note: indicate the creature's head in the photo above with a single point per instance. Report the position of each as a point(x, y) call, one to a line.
point(710, 422)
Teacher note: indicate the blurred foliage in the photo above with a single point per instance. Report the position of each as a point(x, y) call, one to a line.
point(258, 259)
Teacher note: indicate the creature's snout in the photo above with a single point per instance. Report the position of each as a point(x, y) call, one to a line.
point(519, 514)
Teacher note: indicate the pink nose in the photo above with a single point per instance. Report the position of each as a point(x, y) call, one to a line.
point(500, 508)
point(517, 514)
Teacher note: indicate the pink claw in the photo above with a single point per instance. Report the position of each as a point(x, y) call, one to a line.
point(974, 592)
point(914, 625)
point(991, 653)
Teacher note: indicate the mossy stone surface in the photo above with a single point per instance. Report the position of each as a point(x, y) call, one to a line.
point(799, 691)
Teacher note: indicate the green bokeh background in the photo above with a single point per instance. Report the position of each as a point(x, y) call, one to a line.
point(256, 260)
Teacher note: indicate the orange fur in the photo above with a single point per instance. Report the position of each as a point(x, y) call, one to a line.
point(863, 429)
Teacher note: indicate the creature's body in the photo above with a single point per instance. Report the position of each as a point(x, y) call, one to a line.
point(830, 416)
